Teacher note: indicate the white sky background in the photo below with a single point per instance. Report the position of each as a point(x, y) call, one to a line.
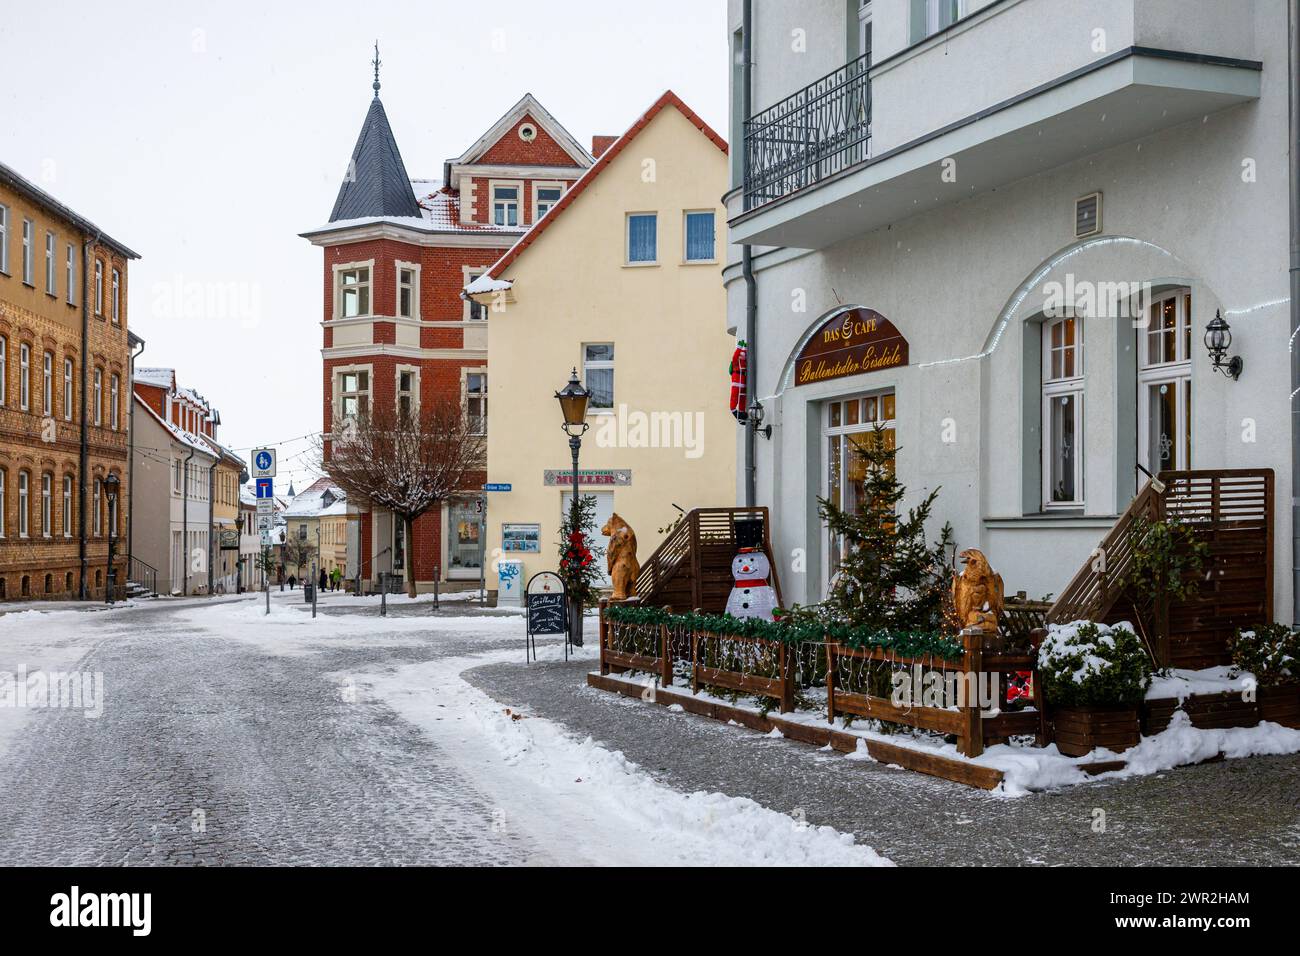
point(206, 136)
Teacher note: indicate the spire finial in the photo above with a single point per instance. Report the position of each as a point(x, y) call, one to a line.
point(378, 62)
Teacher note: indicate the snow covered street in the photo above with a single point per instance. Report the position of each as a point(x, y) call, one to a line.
point(229, 737)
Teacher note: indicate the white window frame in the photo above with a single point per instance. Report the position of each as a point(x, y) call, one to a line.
point(468, 275)
point(538, 186)
point(601, 364)
point(99, 287)
point(97, 526)
point(481, 397)
point(627, 239)
point(934, 19)
point(47, 384)
point(24, 503)
point(340, 395)
point(518, 202)
point(4, 370)
point(29, 253)
point(98, 393)
point(1177, 373)
point(686, 215)
point(67, 506)
point(178, 473)
point(413, 393)
point(24, 376)
point(864, 18)
point(4, 500)
point(116, 293)
point(4, 239)
point(68, 389)
point(413, 286)
point(114, 390)
point(837, 433)
point(51, 280)
point(367, 285)
point(70, 274)
point(47, 504)
point(1064, 387)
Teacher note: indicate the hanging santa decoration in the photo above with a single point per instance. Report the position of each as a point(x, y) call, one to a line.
point(737, 370)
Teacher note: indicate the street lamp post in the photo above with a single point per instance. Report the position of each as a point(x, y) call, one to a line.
point(239, 555)
point(111, 485)
point(573, 399)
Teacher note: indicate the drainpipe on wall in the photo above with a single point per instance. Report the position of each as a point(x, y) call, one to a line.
point(212, 516)
point(185, 523)
point(83, 456)
point(130, 461)
point(1293, 158)
point(747, 258)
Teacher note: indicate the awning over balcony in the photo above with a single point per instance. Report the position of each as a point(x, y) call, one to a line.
point(1125, 96)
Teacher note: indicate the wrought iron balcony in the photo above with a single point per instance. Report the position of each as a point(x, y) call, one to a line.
point(819, 131)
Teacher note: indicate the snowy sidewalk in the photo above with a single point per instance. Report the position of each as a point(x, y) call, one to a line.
point(1231, 812)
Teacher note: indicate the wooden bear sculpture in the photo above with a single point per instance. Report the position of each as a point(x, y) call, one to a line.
point(621, 557)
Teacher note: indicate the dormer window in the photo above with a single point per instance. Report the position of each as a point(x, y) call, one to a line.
point(354, 292)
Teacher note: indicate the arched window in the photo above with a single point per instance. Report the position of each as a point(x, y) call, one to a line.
point(97, 520)
point(68, 402)
point(27, 586)
point(47, 504)
point(49, 584)
point(4, 500)
point(1165, 384)
point(47, 383)
point(67, 581)
point(67, 506)
point(24, 503)
point(1063, 413)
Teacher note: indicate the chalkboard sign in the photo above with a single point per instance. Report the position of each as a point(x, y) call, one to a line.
point(546, 609)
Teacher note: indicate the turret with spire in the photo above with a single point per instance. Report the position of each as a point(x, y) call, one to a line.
point(376, 184)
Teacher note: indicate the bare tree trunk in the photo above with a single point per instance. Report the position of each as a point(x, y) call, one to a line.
point(409, 557)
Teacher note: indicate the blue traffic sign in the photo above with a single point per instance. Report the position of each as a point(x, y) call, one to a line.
point(263, 460)
point(497, 487)
point(264, 488)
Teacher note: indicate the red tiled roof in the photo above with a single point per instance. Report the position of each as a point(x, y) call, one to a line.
point(669, 98)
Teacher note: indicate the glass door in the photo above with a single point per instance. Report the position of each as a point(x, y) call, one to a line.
point(1165, 385)
point(849, 426)
point(464, 550)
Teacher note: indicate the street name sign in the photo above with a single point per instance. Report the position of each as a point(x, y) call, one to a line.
point(498, 486)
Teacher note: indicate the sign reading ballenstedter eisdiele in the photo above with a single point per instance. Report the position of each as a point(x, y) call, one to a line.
point(850, 343)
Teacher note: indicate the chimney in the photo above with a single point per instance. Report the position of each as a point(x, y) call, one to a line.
point(601, 143)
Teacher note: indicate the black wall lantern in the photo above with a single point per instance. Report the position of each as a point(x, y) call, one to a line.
point(1218, 339)
point(755, 420)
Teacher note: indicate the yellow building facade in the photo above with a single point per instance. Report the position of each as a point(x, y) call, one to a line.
point(621, 280)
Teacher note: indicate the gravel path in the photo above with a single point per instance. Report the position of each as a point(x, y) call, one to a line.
point(1235, 812)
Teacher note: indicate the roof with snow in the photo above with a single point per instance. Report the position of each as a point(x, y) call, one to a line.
point(321, 498)
point(10, 177)
point(492, 281)
point(439, 213)
point(158, 377)
point(187, 438)
point(376, 183)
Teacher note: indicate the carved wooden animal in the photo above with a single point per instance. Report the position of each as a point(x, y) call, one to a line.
point(620, 557)
point(977, 592)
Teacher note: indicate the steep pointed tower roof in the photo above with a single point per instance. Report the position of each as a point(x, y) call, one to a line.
point(376, 183)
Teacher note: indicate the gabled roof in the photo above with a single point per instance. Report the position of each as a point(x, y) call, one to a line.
point(376, 183)
point(323, 497)
point(157, 377)
point(198, 443)
point(39, 196)
point(527, 106)
point(491, 280)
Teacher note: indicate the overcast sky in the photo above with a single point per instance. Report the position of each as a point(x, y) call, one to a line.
point(206, 136)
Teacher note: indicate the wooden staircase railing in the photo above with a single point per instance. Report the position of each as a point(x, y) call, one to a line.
point(691, 569)
point(1231, 512)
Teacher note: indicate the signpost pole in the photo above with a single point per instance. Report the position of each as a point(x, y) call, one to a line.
point(482, 550)
point(266, 577)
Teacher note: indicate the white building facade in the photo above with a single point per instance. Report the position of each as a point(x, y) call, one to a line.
point(999, 229)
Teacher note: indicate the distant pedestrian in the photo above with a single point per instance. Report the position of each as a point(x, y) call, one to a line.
point(324, 580)
point(292, 581)
point(336, 576)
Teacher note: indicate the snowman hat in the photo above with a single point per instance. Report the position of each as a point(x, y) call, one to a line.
point(747, 551)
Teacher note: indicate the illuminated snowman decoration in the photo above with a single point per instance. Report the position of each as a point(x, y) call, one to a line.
point(751, 595)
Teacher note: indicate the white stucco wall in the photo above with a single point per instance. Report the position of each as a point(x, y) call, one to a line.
point(1176, 210)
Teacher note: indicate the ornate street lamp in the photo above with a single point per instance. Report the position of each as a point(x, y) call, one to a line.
point(111, 485)
point(239, 557)
point(755, 420)
point(573, 399)
point(1218, 339)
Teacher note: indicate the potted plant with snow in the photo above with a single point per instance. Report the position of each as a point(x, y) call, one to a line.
point(1094, 677)
point(1271, 653)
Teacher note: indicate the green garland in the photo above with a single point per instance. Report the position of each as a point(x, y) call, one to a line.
point(903, 643)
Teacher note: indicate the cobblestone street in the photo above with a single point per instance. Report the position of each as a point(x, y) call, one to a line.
point(216, 750)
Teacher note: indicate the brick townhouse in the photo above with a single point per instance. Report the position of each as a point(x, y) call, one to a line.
point(65, 368)
point(397, 253)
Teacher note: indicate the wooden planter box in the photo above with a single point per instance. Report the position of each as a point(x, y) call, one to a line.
point(1207, 711)
point(1280, 704)
point(1078, 730)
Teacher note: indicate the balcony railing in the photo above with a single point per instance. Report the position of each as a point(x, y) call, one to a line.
point(819, 131)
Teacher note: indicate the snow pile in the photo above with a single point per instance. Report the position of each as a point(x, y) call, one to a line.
point(558, 786)
point(1181, 684)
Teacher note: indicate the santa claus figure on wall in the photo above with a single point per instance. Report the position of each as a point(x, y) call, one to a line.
point(737, 370)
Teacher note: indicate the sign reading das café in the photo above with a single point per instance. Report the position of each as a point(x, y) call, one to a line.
point(850, 343)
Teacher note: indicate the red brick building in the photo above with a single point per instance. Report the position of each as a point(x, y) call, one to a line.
point(397, 253)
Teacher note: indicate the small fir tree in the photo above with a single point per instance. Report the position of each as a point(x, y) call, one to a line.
point(579, 555)
point(891, 577)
